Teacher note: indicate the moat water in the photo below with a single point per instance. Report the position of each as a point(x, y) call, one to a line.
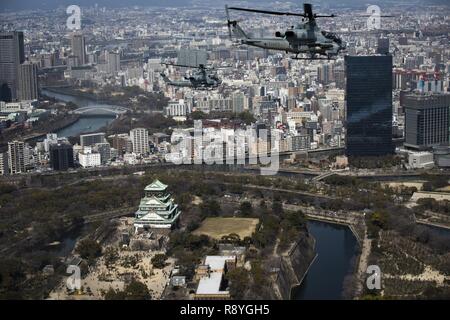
point(86, 123)
point(337, 250)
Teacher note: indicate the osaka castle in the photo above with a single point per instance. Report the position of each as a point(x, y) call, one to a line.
point(156, 209)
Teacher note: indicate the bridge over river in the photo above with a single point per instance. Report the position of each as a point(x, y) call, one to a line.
point(101, 110)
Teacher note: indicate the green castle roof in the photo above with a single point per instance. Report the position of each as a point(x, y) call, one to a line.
point(156, 186)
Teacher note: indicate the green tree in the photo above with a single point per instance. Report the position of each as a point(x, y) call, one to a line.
point(159, 261)
point(238, 279)
point(277, 207)
point(296, 220)
point(89, 249)
point(135, 290)
point(246, 117)
point(210, 208)
point(246, 208)
point(198, 115)
point(12, 273)
point(111, 256)
point(379, 219)
point(112, 294)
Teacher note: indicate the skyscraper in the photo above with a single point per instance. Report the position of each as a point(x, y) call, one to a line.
point(113, 61)
point(383, 46)
point(28, 81)
point(238, 102)
point(16, 157)
point(11, 56)
point(61, 156)
point(79, 47)
point(426, 120)
point(369, 105)
point(323, 73)
point(139, 138)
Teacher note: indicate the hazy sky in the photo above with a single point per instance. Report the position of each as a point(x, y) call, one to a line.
point(49, 4)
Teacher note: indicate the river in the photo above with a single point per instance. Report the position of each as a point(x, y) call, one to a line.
point(336, 249)
point(86, 123)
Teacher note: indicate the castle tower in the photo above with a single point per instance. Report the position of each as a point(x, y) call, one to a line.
point(156, 209)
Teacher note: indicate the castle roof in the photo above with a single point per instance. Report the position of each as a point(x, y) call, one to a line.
point(156, 186)
point(155, 202)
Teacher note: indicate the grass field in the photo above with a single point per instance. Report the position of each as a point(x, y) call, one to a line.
point(218, 227)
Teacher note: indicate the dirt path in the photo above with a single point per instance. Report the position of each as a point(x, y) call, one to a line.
point(363, 263)
point(428, 274)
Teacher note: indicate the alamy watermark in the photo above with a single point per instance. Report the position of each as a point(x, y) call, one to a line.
point(74, 20)
point(73, 282)
point(226, 147)
point(373, 281)
point(374, 21)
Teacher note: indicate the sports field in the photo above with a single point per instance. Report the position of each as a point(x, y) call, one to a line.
point(218, 227)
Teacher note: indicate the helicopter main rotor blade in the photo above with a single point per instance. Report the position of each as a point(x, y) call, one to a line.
point(277, 13)
point(324, 16)
point(368, 16)
point(175, 65)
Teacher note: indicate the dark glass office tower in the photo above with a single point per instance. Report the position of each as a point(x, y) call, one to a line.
point(61, 156)
point(383, 46)
point(369, 105)
point(11, 56)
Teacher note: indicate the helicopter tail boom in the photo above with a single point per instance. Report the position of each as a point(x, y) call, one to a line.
point(165, 78)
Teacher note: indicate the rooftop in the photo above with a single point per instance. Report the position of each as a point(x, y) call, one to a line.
point(211, 284)
point(156, 186)
point(217, 262)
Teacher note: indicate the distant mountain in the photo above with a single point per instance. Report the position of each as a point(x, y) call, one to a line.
point(14, 5)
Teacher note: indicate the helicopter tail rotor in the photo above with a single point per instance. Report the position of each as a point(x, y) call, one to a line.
point(228, 21)
point(234, 28)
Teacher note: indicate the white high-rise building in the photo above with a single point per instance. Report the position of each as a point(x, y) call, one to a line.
point(79, 47)
point(28, 81)
point(238, 99)
point(139, 139)
point(113, 62)
point(16, 159)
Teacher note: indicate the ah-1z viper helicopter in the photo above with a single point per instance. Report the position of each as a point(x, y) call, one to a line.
point(202, 78)
point(305, 38)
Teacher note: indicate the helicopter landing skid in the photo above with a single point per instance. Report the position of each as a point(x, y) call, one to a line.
point(311, 58)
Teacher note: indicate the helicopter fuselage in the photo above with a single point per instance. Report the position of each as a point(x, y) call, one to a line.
point(198, 80)
point(303, 38)
point(300, 39)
